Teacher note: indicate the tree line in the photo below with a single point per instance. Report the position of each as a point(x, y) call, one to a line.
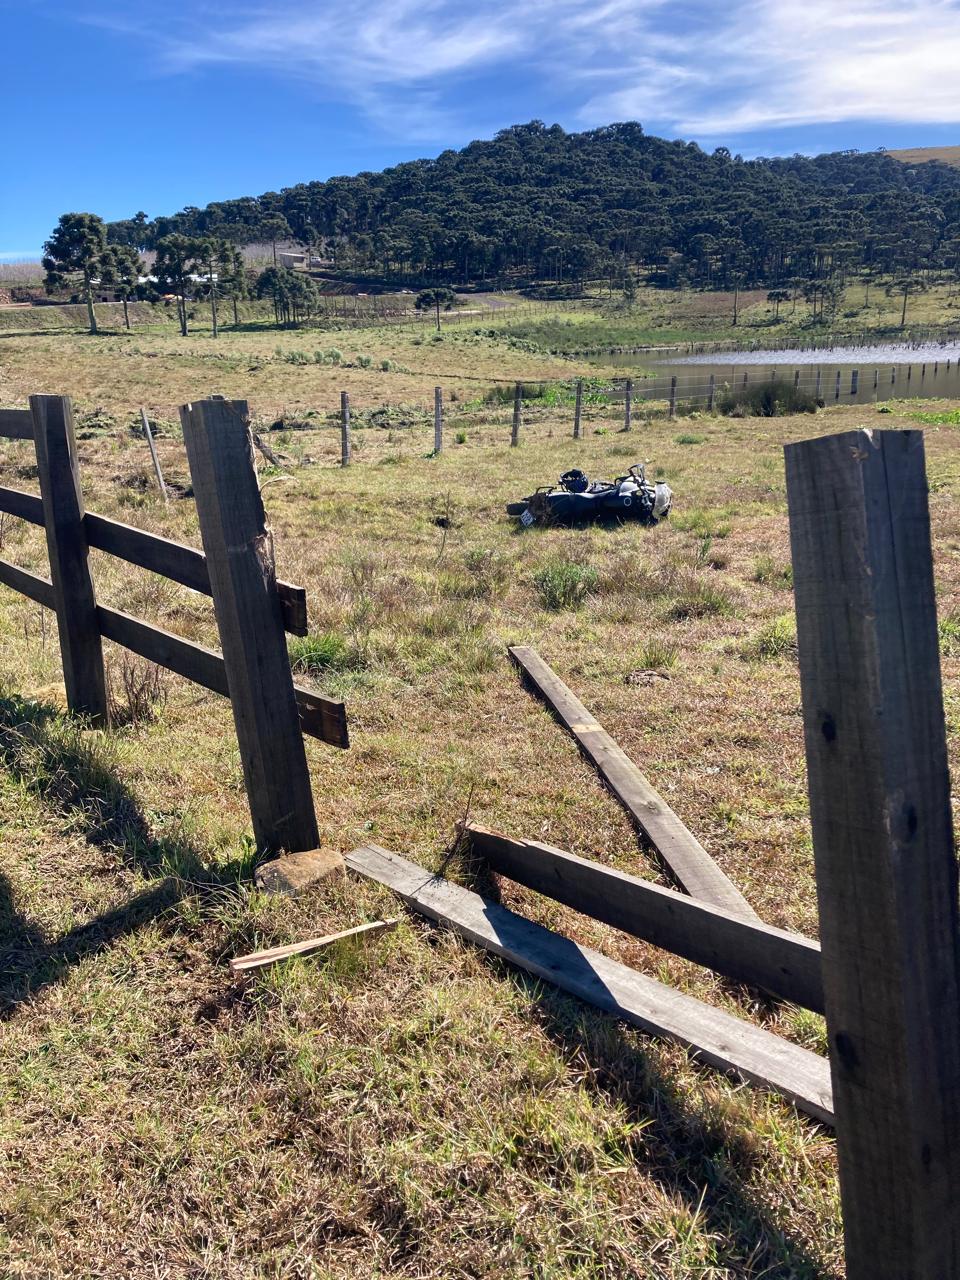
point(538, 204)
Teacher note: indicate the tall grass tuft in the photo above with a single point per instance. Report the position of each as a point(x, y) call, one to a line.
point(562, 584)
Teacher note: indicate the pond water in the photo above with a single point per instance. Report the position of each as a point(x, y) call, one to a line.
point(848, 375)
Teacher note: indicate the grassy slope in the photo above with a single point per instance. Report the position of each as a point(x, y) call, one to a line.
point(407, 1109)
point(919, 155)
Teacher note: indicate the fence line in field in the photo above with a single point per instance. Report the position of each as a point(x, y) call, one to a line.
point(235, 568)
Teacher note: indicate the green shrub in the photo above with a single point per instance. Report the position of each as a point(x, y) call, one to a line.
point(460, 438)
point(765, 400)
point(774, 640)
point(699, 597)
point(364, 362)
point(769, 573)
point(657, 655)
point(562, 584)
point(689, 439)
point(324, 651)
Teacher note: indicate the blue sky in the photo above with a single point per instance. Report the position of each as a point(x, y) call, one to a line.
point(113, 107)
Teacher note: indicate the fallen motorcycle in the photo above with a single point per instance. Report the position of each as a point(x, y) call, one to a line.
point(575, 499)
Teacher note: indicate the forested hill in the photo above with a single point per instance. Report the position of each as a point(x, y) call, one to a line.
point(537, 202)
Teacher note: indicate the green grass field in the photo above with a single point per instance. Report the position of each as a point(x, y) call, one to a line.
point(406, 1107)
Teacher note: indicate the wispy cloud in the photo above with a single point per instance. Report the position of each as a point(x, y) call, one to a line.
point(688, 67)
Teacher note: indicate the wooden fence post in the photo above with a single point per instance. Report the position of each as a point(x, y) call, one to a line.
point(819, 390)
point(81, 647)
point(517, 410)
point(854, 381)
point(883, 843)
point(239, 550)
point(711, 392)
point(344, 428)
point(438, 420)
point(673, 396)
point(148, 434)
point(578, 410)
point(628, 405)
point(836, 390)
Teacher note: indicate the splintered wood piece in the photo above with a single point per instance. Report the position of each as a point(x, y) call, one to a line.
point(260, 959)
point(715, 1037)
point(679, 848)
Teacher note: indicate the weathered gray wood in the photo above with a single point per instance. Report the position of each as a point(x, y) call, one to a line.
point(883, 843)
point(344, 428)
point(673, 396)
point(517, 414)
point(320, 717)
point(775, 960)
point(153, 449)
point(716, 1037)
point(28, 584)
point(274, 955)
point(239, 551)
point(180, 563)
point(711, 393)
point(16, 424)
point(578, 410)
point(683, 854)
point(81, 651)
point(25, 506)
point(438, 420)
point(628, 405)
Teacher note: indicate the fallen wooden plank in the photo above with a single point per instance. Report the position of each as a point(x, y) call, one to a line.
point(320, 717)
point(715, 1037)
point(28, 584)
point(683, 853)
point(25, 506)
point(749, 951)
point(180, 563)
point(260, 959)
point(16, 424)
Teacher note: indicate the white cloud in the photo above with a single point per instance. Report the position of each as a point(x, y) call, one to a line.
point(686, 66)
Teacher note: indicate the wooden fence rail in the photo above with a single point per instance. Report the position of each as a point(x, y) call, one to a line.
point(254, 672)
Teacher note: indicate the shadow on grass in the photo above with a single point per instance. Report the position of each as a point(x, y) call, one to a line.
point(74, 772)
point(690, 1157)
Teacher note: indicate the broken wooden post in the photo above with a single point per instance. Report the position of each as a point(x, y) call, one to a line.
point(517, 411)
point(883, 843)
point(239, 550)
point(81, 648)
point(578, 410)
point(153, 452)
point(344, 428)
point(438, 420)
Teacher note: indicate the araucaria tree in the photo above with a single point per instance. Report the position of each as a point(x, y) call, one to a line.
point(436, 298)
point(74, 257)
point(177, 265)
point(121, 269)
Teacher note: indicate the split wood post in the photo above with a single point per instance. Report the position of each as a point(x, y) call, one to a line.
point(344, 428)
point(628, 405)
point(438, 420)
point(673, 396)
point(81, 648)
point(711, 392)
point(883, 843)
point(517, 410)
point(153, 452)
point(578, 410)
point(239, 550)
